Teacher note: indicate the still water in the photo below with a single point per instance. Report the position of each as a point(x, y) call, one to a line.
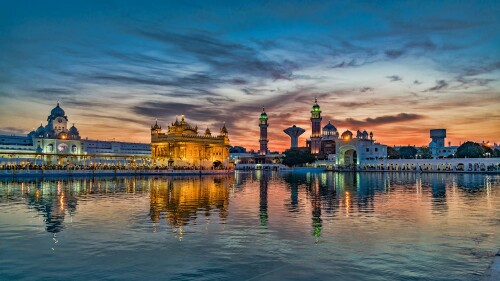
point(251, 226)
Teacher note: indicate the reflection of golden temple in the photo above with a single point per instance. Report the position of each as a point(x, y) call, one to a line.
point(181, 199)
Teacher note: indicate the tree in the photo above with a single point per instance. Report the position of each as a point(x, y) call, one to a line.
point(473, 150)
point(425, 152)
point(294, 157)
point(407, 152)
point(237, 149)
point(392, 153)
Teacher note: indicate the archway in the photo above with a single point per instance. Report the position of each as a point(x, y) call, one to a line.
point(348, 155)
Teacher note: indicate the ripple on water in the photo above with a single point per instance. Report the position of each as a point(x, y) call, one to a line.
point(251, 226)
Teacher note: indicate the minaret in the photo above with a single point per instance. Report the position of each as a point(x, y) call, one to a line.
point(316, 128)
point(263, 133)
point(155, 129)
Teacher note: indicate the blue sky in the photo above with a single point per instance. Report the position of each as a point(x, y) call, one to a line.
point(395, 68)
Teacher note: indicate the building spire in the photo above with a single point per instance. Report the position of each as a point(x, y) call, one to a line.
point(316, 99)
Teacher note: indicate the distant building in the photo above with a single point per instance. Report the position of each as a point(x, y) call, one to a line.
point(55, 143)
point(182, 146)
point(294, 132)
point(437, 145)
point(263, 156)
point(345, 149)
point(263, 140)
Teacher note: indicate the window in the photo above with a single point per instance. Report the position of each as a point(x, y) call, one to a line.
point(367, 149)
point(376, 149)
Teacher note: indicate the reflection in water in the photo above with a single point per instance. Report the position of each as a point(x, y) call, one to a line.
point(52, 200)
point(263, 182)
point(264, 221)
point(181, 199)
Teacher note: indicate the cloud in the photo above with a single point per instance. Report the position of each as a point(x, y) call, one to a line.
point(366, 89)
point(12, 131)
point(345, 64)
point(440, 85)
point(224, 57)
point(394, 78)
point(416, 82)
point(377, 121)
point(481, 69)
point(394, 54)
point(465, 83)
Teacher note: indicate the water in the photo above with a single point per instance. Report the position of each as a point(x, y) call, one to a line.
point(251, 226)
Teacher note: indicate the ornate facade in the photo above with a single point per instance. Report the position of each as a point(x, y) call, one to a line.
point(55, 143)
point(182, 146)
point(345, 148)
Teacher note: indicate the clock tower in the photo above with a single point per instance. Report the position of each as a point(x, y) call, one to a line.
point(58, 121)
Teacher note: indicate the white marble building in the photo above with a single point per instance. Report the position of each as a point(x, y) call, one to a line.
point(56, 143)
point(342, 149)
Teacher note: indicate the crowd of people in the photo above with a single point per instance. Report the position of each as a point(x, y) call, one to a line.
point(100, 166)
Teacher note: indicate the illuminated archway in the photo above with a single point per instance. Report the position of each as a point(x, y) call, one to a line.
point(348, 155)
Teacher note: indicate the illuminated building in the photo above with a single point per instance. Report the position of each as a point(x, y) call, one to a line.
point(345, 149)
point(315, 143)
point(263, 133)
point(182, 146)
point(55, 143)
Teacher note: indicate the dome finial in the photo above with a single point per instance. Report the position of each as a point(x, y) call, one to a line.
point(263, 110)
point(316, 99)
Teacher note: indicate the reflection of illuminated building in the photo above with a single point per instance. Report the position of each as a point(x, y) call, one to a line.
point(52, 199)
point(181, 199)
point(263, 200)
point(181, 145)
point(317, 222)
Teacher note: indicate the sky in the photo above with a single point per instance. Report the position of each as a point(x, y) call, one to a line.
point(396, 68)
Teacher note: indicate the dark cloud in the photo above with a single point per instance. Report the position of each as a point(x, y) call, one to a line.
point(416, 82)
point(123, 120)
point(224, 57)
point(440, 85)
point(54, 93)
point(465, 83)
point(481, 69)
point(394, 54)
point(377, 121)
point(356, 62)
point(394, 78)
point(366, 89)
point(168, 111)
point(426, 45)
point(12, 131)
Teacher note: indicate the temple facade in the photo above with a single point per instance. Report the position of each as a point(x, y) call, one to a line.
point(182, 146)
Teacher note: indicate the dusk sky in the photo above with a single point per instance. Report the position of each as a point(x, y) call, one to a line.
point(395, 68)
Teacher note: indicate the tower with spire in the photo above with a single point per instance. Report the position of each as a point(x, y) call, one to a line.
point(315, 127)
point(263, 133)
